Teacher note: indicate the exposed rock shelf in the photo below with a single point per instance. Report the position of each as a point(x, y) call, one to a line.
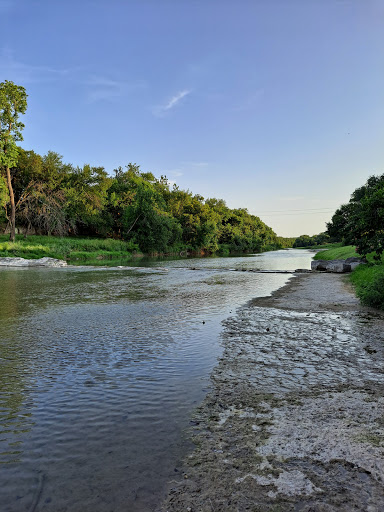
point(294, 420)
point(337, 266)
point(22, 262)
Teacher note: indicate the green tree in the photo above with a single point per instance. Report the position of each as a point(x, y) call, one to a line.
point(13, 102)
point(361, 221)
point(4, 198)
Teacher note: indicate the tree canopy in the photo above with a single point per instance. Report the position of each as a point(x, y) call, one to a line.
point(53, 197)
point(361, 221)
point(13, 102)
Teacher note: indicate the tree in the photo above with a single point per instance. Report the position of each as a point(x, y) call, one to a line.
point(13, 102)
point(361, 221)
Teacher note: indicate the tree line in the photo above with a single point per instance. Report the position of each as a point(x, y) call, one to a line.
point(43, 194)
point(360, 222)
point(55, 198)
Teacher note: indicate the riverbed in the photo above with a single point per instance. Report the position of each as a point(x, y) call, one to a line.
point(294, 421)
point(101, 369)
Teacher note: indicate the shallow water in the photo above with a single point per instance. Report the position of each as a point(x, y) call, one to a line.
point(101, 368)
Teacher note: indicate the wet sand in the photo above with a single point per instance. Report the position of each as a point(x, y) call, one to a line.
point(294, 420)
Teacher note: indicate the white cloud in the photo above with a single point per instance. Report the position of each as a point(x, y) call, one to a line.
point(160, 110)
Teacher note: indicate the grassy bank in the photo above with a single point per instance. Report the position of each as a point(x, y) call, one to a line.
point(90, 250)
point(337, 253)
point(368, 280)
point(69, 249)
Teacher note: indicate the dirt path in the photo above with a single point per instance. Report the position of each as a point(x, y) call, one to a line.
point(295, 417)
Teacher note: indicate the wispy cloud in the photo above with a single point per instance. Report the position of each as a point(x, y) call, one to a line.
point(196, 164)
point(20, 72)
point(176, 99)
point(105, 89)
point(176, 173)
point(161, 110)
point(94, 87)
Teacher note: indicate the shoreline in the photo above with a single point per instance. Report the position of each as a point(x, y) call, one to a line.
point(294, 420)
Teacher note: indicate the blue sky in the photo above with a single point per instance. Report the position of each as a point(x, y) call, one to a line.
point(273, 105)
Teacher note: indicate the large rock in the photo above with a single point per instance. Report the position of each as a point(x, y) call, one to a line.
point(42, 262)
point(337, 266)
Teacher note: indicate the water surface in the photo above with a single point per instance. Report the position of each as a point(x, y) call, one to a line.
point(100, 369)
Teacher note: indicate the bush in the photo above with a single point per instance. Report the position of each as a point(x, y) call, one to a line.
point(369, 283)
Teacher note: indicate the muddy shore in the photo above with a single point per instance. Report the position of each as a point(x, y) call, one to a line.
point(294, 420)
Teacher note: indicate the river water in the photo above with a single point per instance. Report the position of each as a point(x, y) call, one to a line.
point(101, 368)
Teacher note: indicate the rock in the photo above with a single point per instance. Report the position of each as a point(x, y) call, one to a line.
point(22, 262)
point(354, 259)
point(319, 265)
point(336, 266)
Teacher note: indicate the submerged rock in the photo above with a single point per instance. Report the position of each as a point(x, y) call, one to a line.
point(22, 262)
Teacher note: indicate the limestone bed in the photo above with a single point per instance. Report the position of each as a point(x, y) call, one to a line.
point(295, 417)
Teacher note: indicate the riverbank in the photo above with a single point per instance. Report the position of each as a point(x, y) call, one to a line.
point(93, 251)
point(368, 280)
point(295, 417)
point(69, 249)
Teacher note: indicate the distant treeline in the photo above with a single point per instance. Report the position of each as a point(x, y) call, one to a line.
point(310, 241)
point(56, 198)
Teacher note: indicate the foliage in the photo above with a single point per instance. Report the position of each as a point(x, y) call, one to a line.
point(13, 102)
point(4, 197)
point(53, 197)
point(361, 221)
point(286, 242)
point(369, 283)
point(311, 241)
point(68, 248)
point(48, 196)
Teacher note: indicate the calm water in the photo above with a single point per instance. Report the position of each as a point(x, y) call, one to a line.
point(100, 370)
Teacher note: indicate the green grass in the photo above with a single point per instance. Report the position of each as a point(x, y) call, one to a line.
point(337, 253)
point(368, 281)
point(342, 253)
point(68, 248)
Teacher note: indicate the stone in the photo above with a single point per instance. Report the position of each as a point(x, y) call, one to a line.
point(22, 262)
point(319, 265)
point(336, 266)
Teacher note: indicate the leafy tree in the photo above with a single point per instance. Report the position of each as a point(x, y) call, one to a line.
point(309, 241)
point(147, 221)
point(13, 102)
point(4, 198)
point(361, 221)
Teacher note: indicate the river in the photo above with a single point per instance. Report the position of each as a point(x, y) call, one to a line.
point(101, 368)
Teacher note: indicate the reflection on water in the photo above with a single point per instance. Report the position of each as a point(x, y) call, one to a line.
point(100, 370)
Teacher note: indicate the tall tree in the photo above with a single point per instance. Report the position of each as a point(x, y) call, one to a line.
point(13, 102)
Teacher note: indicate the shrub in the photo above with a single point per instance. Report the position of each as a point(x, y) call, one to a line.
point(369, 283)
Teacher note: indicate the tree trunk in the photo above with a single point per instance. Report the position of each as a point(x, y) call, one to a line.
point(130, 229)
point(13, 207)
